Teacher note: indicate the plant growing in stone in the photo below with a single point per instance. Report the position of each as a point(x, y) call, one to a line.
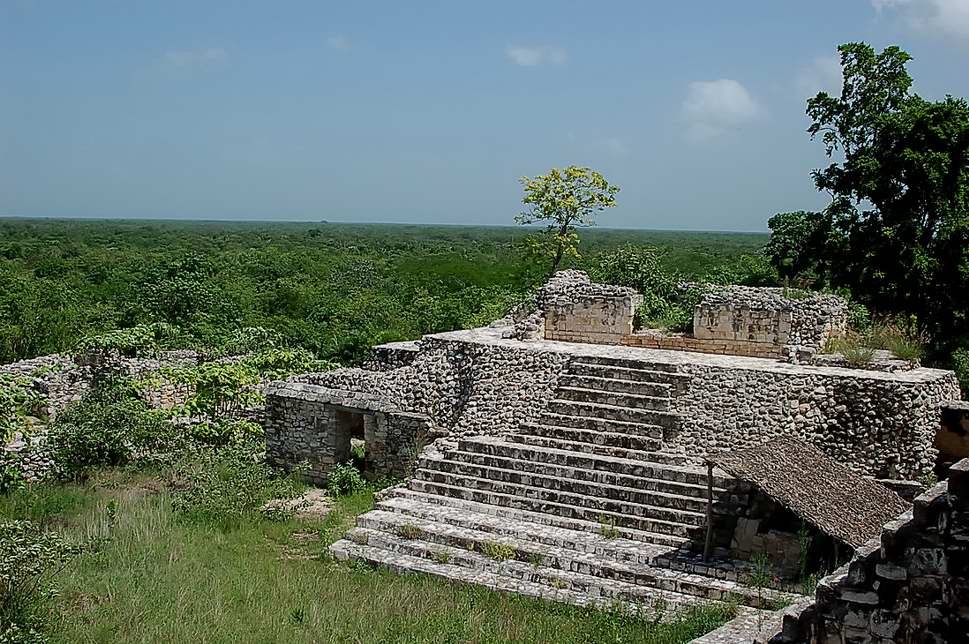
point(564, 200)
point(498, 551)
point(442, 557)
point(607, 527)
point(408, 531)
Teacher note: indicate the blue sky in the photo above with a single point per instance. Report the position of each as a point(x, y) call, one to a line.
point(430, 111)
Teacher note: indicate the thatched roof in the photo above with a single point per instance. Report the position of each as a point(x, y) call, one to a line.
point(817, 488)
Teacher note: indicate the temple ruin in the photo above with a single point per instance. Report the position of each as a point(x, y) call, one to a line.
point(595, 457)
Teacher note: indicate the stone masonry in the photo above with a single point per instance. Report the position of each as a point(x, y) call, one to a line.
point(910, 585)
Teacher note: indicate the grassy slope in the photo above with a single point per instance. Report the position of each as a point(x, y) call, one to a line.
point(161, 580)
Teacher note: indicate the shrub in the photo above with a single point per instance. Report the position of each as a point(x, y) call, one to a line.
point(345, 479)
point(108, 426)
point(903, 340)
point(219, 388)
point(143, 339)
point(960, 362)
point(223, 432)
point(224, 487)
point(29, 558)
point(854, 347)
point(276, 364)
point(18, 399)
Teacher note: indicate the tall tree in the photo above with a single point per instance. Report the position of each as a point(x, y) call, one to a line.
point(899, 180)
point(564, 200)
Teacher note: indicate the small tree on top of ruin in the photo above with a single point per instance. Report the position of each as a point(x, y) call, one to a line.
point(564, 200)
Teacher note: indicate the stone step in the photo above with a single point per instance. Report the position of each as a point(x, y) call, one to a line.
point(649, 456)
point(612, 412)
point(650, 465)
point(618, 385)
point(593, 539)
point(407, 498)
point(682, 523)
point(642, 478)
point(626, 362)
point(554, 488)
point(599, 424)
point(678, 381)
point(626, 441)
point(598, 396)
point(556, 588)
point(505, 554)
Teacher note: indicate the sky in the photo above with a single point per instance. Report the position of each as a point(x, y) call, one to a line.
point(429, 112)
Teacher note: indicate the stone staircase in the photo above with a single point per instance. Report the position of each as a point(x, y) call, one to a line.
point(582, 506)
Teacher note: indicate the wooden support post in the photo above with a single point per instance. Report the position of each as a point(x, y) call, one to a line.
point(709, 541)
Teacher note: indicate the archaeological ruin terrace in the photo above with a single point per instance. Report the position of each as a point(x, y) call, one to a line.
point(562, 452)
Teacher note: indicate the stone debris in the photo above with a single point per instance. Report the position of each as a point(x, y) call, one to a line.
point(313, 504)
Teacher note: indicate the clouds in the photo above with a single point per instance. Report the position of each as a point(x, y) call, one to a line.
point(946, 18)
point(823, 74)
point(712, 108)
point(533, 56)
point(195, 58)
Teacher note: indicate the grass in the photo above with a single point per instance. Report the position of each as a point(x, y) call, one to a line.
point(161, 579)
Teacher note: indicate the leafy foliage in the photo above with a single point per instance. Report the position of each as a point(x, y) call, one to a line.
point(18, 400)
point(960, 362)
point(906, 157)
point(345, 479)
point(139, 340)
point(29, 558)
point(563, 200)
point(227, 486)
point(110, 425)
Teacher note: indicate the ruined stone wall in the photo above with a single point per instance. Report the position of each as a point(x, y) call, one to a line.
point(878, 424)
point(451, 387)
point(770, 316)
point(910, 585)
point(592, 318)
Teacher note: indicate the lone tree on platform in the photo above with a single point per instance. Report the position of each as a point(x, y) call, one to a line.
point(565, 200)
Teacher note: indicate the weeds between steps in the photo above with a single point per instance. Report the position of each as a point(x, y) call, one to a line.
point(607, 527)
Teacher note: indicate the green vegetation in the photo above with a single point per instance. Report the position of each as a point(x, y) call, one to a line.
point(906, 255)
point(563, 200)
point(331, 289)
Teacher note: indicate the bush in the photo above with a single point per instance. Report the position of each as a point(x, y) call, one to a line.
point(29, 558)
point(110, 425)
point(345, 479)
point(227, 486)
point(143, 339)
point(960, 362)
point(223, 432)
point(903, 340)
point(18, 399)
point(854, 347)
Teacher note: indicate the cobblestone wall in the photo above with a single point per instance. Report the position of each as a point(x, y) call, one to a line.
point(880, 424)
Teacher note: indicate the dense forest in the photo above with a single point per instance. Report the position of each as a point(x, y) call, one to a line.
point(334, 289)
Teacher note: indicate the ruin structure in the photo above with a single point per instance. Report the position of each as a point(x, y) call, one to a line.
point(559, 452)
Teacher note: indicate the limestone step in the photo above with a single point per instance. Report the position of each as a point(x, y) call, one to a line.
point(406, 500)
point(600, 424)
point(590, 508)
point(597, 539)
point(644, 478)
point(678, 381)
point(613, 412)
point(598, 396)
point(502, 554)
point(554, 488)
point(626, 441)
point(618, 385)
point(656, 465)
point(650, 456)
point(626, 362)
point(551, 584)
